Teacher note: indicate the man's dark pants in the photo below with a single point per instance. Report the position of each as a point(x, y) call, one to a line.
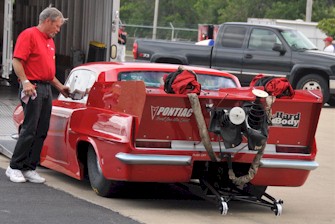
point(34, 129)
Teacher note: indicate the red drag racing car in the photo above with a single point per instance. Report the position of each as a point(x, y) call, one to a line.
point(119, 125)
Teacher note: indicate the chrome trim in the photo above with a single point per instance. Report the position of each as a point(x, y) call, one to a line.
point(61, 112)
point(149, 159)
point(316, 96)
point(178, 145)
point(199, 146)
point(289, 164)
point(250, 73)
point(266, 74)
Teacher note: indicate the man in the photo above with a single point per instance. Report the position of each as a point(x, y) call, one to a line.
point(122, 40)
point(34, 65)
point(329, 47)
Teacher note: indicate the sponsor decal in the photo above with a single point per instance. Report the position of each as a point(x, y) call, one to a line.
point(283, 119)
point(171, 114)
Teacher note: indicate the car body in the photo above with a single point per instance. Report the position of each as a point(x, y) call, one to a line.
point(119, 125)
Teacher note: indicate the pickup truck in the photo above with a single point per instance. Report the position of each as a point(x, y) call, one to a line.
point(246, 50)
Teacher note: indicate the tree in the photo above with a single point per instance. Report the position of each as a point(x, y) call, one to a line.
point(208, 11)
point(291, 10)
point(190, 13)
point(241, 10)
point(327, 26)
point(324, 13)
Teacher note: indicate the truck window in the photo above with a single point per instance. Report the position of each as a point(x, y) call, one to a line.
point(262, 39)
point(297, 40)
point(233, 36)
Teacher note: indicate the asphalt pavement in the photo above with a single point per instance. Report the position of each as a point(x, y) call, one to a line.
point(39, 203)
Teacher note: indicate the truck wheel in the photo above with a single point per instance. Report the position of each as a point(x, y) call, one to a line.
point(331, 101)
point(314, 82)
point(99, 184)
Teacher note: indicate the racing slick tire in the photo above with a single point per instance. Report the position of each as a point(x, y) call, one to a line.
point(314, 82)
point(100, 185)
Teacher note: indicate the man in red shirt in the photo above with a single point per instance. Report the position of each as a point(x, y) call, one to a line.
point(34, 64)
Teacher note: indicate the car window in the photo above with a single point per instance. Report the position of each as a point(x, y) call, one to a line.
point(233, 37)
point(150, 78)
point(80, 83)
point(263, 39)
point(155, 79)
point(210, 82)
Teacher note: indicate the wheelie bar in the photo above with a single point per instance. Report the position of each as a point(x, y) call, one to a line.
point(223, 197)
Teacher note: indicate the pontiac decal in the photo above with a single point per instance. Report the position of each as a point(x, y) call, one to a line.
point(174, 114)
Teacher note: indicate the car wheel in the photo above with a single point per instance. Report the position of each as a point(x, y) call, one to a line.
point(331, 101)
point(314, 82)
point(100, 185)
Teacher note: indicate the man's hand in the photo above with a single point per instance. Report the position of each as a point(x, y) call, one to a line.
point(65, 91)
point(29, 89)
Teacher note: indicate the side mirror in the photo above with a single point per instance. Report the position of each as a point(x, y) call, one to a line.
point(279, 47)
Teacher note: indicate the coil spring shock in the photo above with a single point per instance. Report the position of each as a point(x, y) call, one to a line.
point(256, 115)
point(225, 119)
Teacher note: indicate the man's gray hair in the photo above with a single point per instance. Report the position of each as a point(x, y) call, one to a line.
point(52, 13)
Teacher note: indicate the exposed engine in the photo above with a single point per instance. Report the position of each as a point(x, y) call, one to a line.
point(232, 125)
point(250, 120)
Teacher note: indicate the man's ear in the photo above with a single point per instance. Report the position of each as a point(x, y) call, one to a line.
point(48, 20)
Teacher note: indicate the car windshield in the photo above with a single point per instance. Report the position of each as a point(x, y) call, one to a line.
point(154, 79)
point(79, 82)
point(297, 40)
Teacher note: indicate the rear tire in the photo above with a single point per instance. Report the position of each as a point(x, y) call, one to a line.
point(314, 82)
point(331, 101)
point(99, 184)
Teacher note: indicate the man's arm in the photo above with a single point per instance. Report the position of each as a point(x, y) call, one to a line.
point(28, 87)
point(64, 90)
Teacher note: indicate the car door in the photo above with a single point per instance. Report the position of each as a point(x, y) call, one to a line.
point(56, 144)
point(228, 50)
point(260, 57)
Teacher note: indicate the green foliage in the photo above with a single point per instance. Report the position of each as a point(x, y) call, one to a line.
point(323, 9)
point(241, 10)
point(291, 10)
point(327, 26)
point(190, 13)
point(208, 11)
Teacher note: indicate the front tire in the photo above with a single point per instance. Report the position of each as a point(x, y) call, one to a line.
point(99, 184)
point(314, 82)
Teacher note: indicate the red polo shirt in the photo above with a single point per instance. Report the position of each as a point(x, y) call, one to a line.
point(37, 52)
